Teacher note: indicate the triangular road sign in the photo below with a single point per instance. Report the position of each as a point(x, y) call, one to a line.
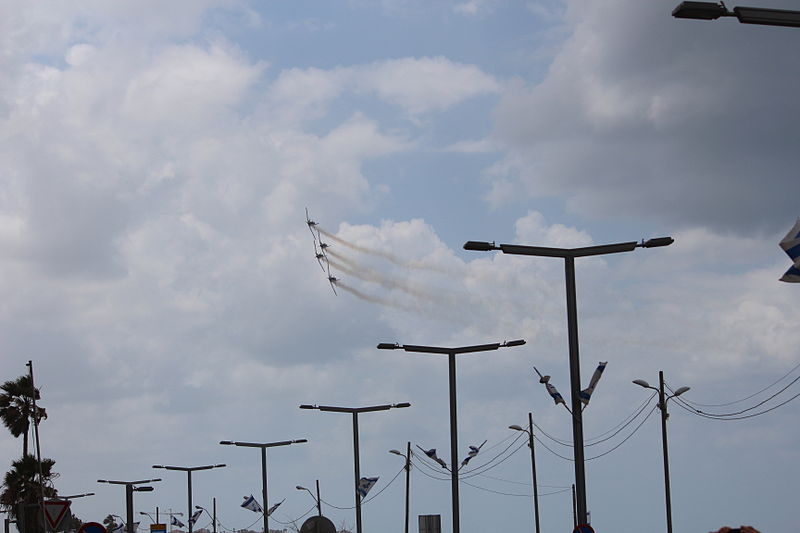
point(55, 510)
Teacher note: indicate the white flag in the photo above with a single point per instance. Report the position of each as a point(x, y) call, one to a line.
point(252, 504)
point(586, 394)
point(271, 509)
point(365, 484)
point(791, 245)
point(195, 516)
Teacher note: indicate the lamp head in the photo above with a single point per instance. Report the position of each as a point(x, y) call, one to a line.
point(479, 246)
point(516, 427)
point(298, 487)
point(699, 10)
point(642, 383)
point(403, 404)
point(680, 391)
point(658, 242)
point(396, 452)
point(388, 346)
point(509, 344)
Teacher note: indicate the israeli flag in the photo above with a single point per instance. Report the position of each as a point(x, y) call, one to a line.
point(272, 509)
point(175, 522)
point(586, 394)
point(551, 390)
point(473, 451)
point(432, 454)
point(118, 528)
point(252, 504)
point(195, 516)
point(365, 484)
point(791, 245)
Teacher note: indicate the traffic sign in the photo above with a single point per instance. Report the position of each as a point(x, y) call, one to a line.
point(92, 527)
point(583, 528)
point(158, 528)
point(55, 511)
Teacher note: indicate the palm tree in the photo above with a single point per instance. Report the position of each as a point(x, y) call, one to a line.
point(21, 491)
point(16, 407)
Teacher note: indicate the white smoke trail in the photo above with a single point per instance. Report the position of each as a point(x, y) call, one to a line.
point(368, 274)
point(380, 253)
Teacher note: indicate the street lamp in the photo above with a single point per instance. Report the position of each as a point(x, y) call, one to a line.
point(569, 255)
point(357, 468)
point(451, 361)
point(529, 431)
point(662, 405)
point(213, 516)
point(746, 15)
point(130, 488)
point(189, 470)
point(407, 457)
point(263, 446)
point(316, 499)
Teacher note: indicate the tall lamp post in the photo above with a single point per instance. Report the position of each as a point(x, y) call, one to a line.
point(356, 466)
point(746, 15)
point(569, 255)
point(189, 470)
point(451, 362)
point(130, 488)
point(529, 431)
point(317, 499)
point(662, 405)
point(263, 446)
point(407, 457)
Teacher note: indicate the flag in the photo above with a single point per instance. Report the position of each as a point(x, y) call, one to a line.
point(252, 504)
point(365, 484)
point(586, 393)
point(551, 390)
point(432, 454)
point(175, 522)
point(195, 516)
point(473, 451)
point(791, 245)
point(117, 528)
point(271, 509)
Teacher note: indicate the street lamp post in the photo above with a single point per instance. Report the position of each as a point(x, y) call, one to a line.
point(189, 470)
point(746, 15)
point(451, 363)
point(569, 255)
point(316, 498)
point(662, 405)
point(263, 446)
point(529, 431)
point(130, 488)
point(407, 457)
point(356, 466)
point(213, 516)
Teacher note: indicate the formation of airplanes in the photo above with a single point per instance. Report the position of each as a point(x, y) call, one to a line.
point(320, 252)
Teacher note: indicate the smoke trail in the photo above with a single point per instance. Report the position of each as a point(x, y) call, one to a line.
point(380, 253)
point(368, 274)
point(368, 298)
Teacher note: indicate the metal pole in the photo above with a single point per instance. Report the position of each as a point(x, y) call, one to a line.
point(129, 507)
point(264, 486)
point(574, 508)
point(575, 386)
point(36, 435)
point(319, 502)
point(663, 405)
point(214, 508)
point(533, 472)
point(357, 469)
point(156, 514)
point(451, 360)
point(408, 481)
point(189, 516)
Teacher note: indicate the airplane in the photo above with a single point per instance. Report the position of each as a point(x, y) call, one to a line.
point(311, 225)
point(333, 281)
point(320, 255)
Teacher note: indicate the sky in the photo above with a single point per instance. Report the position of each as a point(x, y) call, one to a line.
point(156, 161)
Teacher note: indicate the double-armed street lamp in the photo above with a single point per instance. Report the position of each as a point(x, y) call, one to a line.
point(662, 405)
point(569, 255)
point(746, 15)
point(356, 466)
point(189, 470)
point(407, 457)
point(130, 488)
point(263, 446)
point(451, 361)
point(529, 431)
